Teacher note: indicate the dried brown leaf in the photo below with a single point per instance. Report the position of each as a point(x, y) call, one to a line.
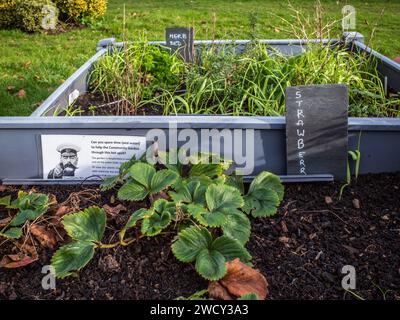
point(5, 221)
point(46, 237)
point(241, 279)
point(12, 261)
point(113, 211)
point(217, 291)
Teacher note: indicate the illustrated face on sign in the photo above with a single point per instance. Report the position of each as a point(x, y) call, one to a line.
point(69, 159)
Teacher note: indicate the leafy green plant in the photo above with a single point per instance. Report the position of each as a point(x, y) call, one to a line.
point(30, 206)
point(30, 14)
point(86, 228)
point(196, 244)
point(354, 155)
point(206, 209)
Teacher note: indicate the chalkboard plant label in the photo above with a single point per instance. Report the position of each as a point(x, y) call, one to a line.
point(316, 130)
point(181, 40)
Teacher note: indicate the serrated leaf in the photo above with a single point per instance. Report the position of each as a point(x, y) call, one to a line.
point(236, 182)
point(267, 180)
point(12, 233)
point(155, 223)
point(87, 225)
point(208, 170)
point(210, 264)
point(223, 196)
point(230, 249)
point(262, 203)
point(205, 217)
point(237, 226)
point(124, 167)
point(27, 215)
point(30, 201)
point(5, 201)
point(72, 257)
point(109, 183)
point(142, 173)
point(163, 179)
point(136, 216)
point(190, 242)
point(133, 191)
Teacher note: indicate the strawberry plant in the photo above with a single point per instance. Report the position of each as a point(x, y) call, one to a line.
point(207, 210)
point(86, 228)
point(30, 206)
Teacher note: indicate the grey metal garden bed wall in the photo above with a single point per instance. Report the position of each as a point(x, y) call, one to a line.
point(20, 157)
point(20, 147)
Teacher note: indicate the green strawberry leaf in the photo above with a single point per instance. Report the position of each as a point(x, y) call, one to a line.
point(267, 180)
point(261, 203)
point(109, 183)
point(87, 225)
point(142, 173)
point(230, 249)
point(224, 197)
point(237, 226)
point(190, 242)
point(210, 264)
point(71, 257)
point(155, 223)
point(163, 179)
point(5, 201)
point(12, 233)
point(27, 215)
point(132, 191)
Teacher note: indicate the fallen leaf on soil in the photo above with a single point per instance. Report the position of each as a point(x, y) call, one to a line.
point(113, 211)
point(386, 217)
point(217, 291)
point(12, 261)
point(61, 211)
point(26, 246)
point(5, 221)
point(47, 238)
point(356, 203)
point(21, 94)
point(241, 279)
point(328, 200)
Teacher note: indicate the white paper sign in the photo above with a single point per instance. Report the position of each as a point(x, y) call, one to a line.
point(79, 157)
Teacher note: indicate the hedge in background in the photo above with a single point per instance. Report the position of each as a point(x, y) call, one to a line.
point(36, 15)
point(7, 14)
point(77, 10)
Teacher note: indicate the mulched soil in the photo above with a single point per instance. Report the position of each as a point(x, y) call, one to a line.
point(301, 250)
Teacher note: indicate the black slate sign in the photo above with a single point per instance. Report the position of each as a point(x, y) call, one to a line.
point(316, 130)
point(181, 40)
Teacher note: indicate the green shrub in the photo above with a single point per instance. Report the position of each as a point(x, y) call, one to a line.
point(78, 10)
point(7, 13)
point(36, 15)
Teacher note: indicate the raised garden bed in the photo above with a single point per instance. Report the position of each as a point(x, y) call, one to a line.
point(379, 142)
point(300, 251)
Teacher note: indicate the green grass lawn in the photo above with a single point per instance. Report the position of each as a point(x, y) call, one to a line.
point(39, 63)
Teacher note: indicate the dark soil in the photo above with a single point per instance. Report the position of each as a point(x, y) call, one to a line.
point(95, 104)
point(301, 250)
